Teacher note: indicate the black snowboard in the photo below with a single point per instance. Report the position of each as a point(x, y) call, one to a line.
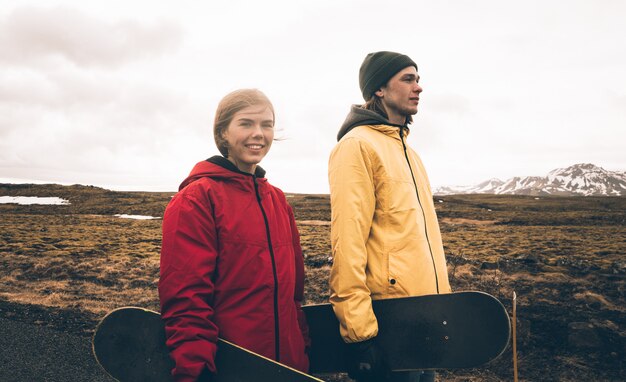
point(129, 344)
point(446, 331)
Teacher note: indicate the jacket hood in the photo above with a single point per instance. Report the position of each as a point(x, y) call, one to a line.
point(359, 116)
point(218, 167)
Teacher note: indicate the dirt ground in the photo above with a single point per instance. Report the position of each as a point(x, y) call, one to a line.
point(564, 257)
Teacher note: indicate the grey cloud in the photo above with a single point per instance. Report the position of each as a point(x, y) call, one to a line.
point(30, 34)
point(67, 90)
point(136, 126)
point(70, 111)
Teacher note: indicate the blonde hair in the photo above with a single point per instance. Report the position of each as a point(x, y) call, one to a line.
point(229, 106)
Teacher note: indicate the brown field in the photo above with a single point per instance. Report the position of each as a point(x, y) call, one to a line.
point(565, 257)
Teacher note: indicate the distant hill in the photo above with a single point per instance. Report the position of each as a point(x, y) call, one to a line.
point(583, 179)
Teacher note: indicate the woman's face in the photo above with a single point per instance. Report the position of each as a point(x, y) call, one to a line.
point(249, 136)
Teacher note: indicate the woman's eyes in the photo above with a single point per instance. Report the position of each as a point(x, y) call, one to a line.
point(250, 124)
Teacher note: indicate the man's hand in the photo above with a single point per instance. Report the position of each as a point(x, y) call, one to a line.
point(367, 362)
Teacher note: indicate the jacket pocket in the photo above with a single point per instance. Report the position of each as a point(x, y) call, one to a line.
point(378, 275)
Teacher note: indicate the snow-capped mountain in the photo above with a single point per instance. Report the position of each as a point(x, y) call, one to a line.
point(580, 179)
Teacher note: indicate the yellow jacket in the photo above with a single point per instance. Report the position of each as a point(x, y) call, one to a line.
point(384, 231)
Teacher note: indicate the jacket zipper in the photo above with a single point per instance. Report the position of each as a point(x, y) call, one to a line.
point(432, 257)
point(271, 248)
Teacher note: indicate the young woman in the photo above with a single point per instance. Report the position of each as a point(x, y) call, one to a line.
point(231, 262)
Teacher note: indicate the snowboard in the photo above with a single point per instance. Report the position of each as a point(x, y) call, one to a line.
point(443, 331)
point(129, 344)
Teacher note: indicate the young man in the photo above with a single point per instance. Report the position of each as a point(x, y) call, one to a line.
point(384, 232)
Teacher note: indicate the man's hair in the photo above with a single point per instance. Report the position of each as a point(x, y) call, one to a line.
point(376, 105)
point(229, 106)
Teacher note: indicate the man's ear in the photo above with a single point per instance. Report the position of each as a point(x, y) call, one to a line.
point(379, 93)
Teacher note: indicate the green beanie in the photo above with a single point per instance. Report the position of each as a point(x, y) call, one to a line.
point(378, 68)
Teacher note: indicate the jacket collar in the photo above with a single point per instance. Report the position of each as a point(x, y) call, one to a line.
point(391, 130)
point(219, 160)
point(358, 116)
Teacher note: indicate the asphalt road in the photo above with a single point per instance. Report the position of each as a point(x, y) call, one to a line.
point(34, 347)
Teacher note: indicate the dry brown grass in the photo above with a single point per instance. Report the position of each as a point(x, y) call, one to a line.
point(85, 262)
point(565, 258)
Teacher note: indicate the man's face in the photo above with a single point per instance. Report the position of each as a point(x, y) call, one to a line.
point(401, 94)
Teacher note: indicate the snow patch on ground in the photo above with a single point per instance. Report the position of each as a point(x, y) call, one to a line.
point(136, 217)
point(27, 200)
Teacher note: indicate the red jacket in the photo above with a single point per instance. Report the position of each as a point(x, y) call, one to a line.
point(231, 266)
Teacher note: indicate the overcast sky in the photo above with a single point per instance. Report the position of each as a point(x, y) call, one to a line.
point(122, 94)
